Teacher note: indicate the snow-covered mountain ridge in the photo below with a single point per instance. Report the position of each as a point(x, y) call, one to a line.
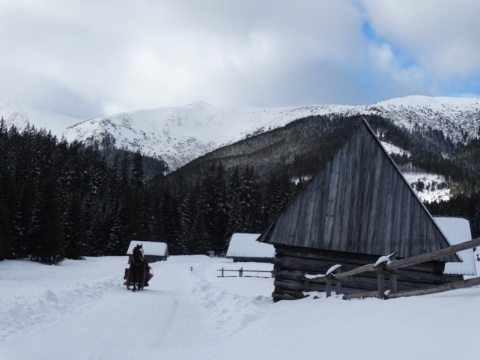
point(181, 134)
point(20, 115)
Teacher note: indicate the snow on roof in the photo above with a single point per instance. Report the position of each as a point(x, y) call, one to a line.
point(457, 230)
point(245, 245)
point(149, 247)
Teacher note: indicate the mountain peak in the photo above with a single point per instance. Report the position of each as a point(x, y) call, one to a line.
point(200, 103)
point(181, 134)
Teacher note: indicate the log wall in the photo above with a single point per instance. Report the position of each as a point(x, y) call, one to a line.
point(292, 264)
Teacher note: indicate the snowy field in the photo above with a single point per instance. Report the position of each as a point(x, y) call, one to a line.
point(81, 310)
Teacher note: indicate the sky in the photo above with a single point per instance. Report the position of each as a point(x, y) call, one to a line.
point(87, 58)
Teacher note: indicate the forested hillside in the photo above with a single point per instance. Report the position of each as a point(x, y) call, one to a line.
point(60, 200)
point(300, 149)
point(64, 200)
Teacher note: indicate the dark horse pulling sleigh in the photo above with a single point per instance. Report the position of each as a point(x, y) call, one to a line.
point(139, 273)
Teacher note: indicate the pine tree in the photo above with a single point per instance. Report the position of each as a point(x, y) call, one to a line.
point(46, 235)
point(75, 234)
point(234, 224)
point(250, 201)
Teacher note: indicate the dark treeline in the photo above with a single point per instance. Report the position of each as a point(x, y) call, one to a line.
point(62, 200)
point(432, 151)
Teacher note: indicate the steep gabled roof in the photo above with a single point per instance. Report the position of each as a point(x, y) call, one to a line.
point(359, 203)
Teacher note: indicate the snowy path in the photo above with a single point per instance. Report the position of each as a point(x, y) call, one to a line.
point(80, 310)
point(168, 319)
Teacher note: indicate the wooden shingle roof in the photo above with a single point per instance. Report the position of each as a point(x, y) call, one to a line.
point(359, 203)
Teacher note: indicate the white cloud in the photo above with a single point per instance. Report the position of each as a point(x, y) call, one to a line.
point(95, 56)
point(440, 35)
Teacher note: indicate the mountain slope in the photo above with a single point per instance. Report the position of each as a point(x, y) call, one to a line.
point(181, 134)
point(20, 115)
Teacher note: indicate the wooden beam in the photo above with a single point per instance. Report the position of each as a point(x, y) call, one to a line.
point(361, 295)
point(343, 275)
point(414, 260)
point(359, 270)
point(436, 289)
point(429, 290)
point(381, 284)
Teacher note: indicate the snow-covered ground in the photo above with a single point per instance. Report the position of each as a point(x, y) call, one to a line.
point(435, 186)
point(81, 310)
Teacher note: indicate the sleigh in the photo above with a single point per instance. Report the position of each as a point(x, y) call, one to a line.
point(144, 279)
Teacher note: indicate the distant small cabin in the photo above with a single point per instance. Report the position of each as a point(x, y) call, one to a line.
point(153, 251)
point(457, 231)
point(244, 247)
point(358, 208)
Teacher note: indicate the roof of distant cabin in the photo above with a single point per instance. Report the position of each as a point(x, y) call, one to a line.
point(457, 230)
point(359, 202)
point(246, 245)
point(149, 247)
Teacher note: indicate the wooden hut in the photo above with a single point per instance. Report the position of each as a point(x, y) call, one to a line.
point(153, 251)
point(243, 247)
point(357, 208)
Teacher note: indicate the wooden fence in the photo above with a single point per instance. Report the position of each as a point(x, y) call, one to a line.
point(241, 272)
point(387, 266)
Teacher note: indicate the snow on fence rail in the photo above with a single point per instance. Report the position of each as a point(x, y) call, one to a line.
point(241, 272)
point(387, 265)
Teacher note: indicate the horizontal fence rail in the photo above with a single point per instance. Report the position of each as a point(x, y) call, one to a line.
point(241, 272)
point(390, 267)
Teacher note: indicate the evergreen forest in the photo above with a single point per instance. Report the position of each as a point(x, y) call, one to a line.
point(64, 200)
point(60, 200)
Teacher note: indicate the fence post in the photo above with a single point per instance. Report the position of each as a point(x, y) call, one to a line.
point(222, 270)
point(381, 282)
point(393, 277)
point(329, 288)
point(338, 287)
point(240, 272)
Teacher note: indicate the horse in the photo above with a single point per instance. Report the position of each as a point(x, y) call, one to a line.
point(137, 270)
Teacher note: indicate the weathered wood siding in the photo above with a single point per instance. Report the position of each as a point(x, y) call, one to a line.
point(292, 264)
point(268, 260)
point(359, 203)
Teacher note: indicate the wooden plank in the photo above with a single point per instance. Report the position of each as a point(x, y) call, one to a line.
point(436, 289)
point(323, 206)
point(356, 271)
point(381, 284)
point(328, 289)
point(286, 296)
point(309, 219)
point(361, 295)
point(346, 259)
point(297, 267)
point(414, 260)
point(418, 292)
